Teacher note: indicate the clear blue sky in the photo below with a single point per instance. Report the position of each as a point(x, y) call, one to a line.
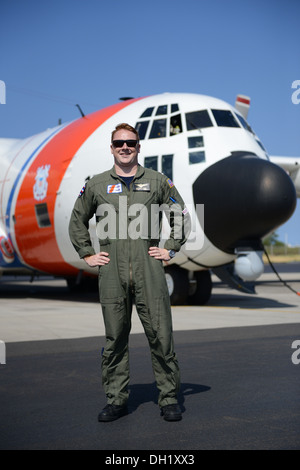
point(54, 54)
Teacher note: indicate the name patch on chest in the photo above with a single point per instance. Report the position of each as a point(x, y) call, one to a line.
point(141, 186)
point(114, 188)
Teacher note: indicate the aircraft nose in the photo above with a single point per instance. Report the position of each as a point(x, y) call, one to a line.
point(245, 198)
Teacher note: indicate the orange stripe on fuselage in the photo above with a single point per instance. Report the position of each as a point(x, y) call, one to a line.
point(38, 246)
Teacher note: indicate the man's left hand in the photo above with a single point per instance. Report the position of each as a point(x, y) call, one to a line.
point(159, 253)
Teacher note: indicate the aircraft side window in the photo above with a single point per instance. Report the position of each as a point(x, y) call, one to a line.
point(224, 118)
point(174, 108)
point(196, 157)
point(175, 125)
point(142, 127)
point(42, 215)
point(158, 129)
point(161, 110)
point(151, 162)
point(195, 142)
point(198, 120)
point(147, 113)
point(167, 166)
point(244, 123)
point(261, 145)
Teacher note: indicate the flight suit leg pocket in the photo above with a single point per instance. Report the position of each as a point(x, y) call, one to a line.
point(110, 289)
point(117, 320)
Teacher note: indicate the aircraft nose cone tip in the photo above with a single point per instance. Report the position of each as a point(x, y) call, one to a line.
point(245, 198)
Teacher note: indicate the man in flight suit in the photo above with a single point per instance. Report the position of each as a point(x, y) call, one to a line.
point(130, 267)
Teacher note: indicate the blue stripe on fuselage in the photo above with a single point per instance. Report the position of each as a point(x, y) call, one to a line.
point(17, 262)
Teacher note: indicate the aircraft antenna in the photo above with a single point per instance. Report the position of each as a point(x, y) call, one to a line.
point(80, 110)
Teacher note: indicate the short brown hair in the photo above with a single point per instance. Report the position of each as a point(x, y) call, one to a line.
point(127, 127)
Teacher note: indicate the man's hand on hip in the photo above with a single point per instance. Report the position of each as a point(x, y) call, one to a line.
point(99, 259)
point(159, 253)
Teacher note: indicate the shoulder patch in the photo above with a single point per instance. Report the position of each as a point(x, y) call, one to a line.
point(82, 191)
point(170, 183)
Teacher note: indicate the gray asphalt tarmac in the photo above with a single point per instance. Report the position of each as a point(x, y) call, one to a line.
point(240, 374)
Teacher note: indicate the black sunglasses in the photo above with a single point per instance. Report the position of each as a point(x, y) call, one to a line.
point(119, 143)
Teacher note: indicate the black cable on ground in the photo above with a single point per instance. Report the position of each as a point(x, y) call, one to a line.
point(273, 267)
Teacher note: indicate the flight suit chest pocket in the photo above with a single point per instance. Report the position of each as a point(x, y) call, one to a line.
point(141, 194)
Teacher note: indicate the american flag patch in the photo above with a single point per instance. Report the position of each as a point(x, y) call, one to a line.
point(170, 183)
point(114, 188)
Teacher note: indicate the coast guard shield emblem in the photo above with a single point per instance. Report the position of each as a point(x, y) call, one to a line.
point(41, 185)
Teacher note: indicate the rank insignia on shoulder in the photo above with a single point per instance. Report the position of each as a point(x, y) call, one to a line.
point(82, 191)
point(141, 186)
point(114, 188)
point(170, 183)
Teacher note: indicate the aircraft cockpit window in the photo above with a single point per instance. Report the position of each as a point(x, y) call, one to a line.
point(224, 118)
point(147, 113)
point(151, 162)
point(175, 125)
point(167, 166)
point(197, 120)
point(195, 142)
point(158, 129)
point(196, 157)
point(161, 110)
point(261, 145)
point(244, 123)
point(159, 126)
point(142, 127)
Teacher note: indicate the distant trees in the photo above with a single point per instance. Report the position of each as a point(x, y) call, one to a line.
point(272, 240)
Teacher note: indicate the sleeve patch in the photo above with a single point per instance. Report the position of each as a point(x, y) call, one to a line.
point(170, 183)
point(82, 191)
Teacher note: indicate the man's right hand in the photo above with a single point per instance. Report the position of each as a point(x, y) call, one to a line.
point(99, 259)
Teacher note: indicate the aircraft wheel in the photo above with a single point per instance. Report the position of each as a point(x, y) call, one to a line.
point(178, 284)
point(202, 289)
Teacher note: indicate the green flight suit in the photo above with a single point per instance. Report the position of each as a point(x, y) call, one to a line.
point(132, 274)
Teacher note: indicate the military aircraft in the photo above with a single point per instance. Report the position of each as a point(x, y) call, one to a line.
point(235, 192)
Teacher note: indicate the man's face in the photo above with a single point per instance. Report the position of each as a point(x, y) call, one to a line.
point(125, 156)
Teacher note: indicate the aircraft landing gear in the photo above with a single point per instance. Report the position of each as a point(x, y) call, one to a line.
point(82, 284)
point(178, 284)
point(202, 288)
point(183, 291)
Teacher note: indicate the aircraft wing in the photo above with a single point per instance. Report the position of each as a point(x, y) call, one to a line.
point(292, 166)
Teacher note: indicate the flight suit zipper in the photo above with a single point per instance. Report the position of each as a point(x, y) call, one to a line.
point(128, 193)
point(129, 241)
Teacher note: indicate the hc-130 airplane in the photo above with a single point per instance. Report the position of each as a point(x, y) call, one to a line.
point(204, 145)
